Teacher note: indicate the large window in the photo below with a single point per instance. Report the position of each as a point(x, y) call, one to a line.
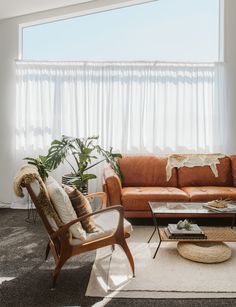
point(129, 92)
point(164, 30)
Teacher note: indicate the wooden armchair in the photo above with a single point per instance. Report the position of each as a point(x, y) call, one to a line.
point(63, 246)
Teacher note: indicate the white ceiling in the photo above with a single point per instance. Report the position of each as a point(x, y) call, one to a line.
point(13, 8)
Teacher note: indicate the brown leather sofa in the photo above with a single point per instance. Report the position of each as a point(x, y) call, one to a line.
point(145, 180)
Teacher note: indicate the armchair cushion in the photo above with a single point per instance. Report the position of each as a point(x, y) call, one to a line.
point(81, 206)
point(107, 223)
point(64, 207)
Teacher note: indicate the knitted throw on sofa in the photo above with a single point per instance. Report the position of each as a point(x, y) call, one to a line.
point(191, 160)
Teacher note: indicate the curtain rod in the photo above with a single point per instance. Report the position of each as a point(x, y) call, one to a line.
point(79, 63)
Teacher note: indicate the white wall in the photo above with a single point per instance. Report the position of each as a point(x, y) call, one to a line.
point(9, 46)
point(8, 53)
point(230, 64)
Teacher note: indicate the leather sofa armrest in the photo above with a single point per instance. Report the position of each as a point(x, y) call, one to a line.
point(112, 186)
point(233, 167)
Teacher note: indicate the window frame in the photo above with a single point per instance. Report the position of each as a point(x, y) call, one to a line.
point(78, 13)
point(114, 6)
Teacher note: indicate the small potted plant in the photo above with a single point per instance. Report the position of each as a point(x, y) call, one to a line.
point(86, 154)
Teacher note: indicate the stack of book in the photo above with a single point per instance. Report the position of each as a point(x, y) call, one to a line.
point(194, 232)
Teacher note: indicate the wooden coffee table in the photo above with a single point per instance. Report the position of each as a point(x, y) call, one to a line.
point(190, 210)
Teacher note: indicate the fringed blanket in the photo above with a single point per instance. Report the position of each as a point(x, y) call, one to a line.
point(192, 160)
point(27, 174)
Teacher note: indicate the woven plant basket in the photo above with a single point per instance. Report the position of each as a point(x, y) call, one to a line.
point(66, 179)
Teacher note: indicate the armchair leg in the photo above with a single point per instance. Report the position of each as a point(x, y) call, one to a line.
point(108, 273)
point(126, 249)
point(47, 251)
point(55, 276)
point(57, 271)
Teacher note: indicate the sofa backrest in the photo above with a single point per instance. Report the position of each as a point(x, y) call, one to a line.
point(141, 171)
point(233, 167)
point(203, 175)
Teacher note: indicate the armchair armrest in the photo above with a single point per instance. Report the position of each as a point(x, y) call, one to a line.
point(120, 227)
point(101, 195)
point(113, 186)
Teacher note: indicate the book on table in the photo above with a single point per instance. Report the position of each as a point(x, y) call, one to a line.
point(195, 232)
point(194, 229)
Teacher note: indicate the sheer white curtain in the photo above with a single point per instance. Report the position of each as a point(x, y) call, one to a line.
point(135, 107)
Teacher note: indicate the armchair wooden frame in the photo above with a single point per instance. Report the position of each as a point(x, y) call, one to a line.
point(59, 240)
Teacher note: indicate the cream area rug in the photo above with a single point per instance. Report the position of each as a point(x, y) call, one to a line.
point(167, 276)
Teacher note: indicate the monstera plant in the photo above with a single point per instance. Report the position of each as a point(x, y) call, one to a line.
point(82, 154)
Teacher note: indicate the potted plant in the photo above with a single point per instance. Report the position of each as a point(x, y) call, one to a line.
point(86, 154)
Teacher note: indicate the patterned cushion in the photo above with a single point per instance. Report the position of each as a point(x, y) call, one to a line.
point(64, 207)
point(82, 207)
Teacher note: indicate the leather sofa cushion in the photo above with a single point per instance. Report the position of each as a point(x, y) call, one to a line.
point(208, 193)
point(203, 175)
point(146, 171)
point(137, 198)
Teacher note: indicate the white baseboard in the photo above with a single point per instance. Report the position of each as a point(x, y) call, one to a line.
point(18, 205)
point(5, 205)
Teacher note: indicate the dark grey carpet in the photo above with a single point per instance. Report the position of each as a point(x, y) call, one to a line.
point(22, 247)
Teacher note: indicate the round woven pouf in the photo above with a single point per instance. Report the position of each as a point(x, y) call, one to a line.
point(204, 252)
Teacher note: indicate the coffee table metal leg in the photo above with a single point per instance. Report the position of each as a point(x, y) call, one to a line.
point(232, 225)
point(155, 229)
point(155, 225)
point(154, 256)
point(158, 243)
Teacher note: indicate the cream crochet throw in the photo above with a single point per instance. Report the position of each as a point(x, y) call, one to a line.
point(27, 174)
point(191, 160)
